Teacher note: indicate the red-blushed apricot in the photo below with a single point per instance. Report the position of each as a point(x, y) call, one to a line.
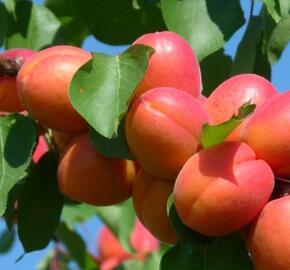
point(223, 188)
point(268, 238)
point(150, 195)
point(86, 176)
point(173, 64)
point(40, 150)
point(228, 97)
point(163, 127)
point(9, 101)
point(43, 83)
point(267, 132)
point(61, 139)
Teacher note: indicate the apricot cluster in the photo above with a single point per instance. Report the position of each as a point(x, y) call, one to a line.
point(216, 191)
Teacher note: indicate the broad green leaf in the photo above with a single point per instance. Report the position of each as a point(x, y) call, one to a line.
point(6, 240)
point(113, 148)
point(72, 22)
point(224, 253)
point(120, 220)
point(100, 90)
point(17, 137)
point(279, 39)
point(215, 134)
point(202, 22)
point(215, 69)
point(76, 247)
point(40, 205)
point(246, 55)
point(273, 9)
point(31, 26)
point(118, 22)
point(284, 7)
point(73, 214)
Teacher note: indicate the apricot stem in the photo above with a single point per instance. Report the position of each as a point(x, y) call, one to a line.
point(9, 66)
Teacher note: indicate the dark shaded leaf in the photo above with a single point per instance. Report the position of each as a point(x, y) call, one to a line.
point(6, 240)
point(40, 205)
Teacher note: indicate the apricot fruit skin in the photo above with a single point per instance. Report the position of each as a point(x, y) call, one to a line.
point(173, 64)
point(150, 195)
point(43, 84)
point(267, 132)
point(268, 238)
point(227, 98)
point(86, 176)
point(9, 101)
point(163, 127)
point(221, 189)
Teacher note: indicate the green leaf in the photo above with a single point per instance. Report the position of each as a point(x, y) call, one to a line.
point(279, 39)
point(215, 134)
point(101, 88)
point(76, 247)
point(6, 240)
point(73, 214)
point(224, 253)
point(118, 22)
point(202, 22)
point(72, 22)
point(215, 69)
point(17, 141)
point(272, 8)
point(120, 220)
point(246, 55)
point(113, 148)
point(284, 7)
point(31, 26)
point(40, 205)
point(3, 23)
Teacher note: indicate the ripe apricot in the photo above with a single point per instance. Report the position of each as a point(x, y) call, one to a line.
point(228, 97)
point(150, 195)
point(9, 101)
point(43, 83)
point(61, 139)
point(173, 64)
point(268, 238)
point(86, 176)
point(223, 188)
point(163, 127)
point(267, 132)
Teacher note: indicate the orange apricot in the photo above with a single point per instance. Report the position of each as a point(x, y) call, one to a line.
point(86, 176)
point(43, 83)
point(222, 188)
point(150, 196)
point(163, 128)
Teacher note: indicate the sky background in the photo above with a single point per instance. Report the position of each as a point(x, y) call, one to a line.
point(89, 230)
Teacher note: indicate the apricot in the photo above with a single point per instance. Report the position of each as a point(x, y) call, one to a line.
point(150, 195)
point(40, 150)
point(61, 139)
point(86, 176)
point(173, 64)
point(223, 188)
point(163, 127)
point(228, 97)
point(43, 83)
point(267, 132)
point(268, 238)
point(9, 101)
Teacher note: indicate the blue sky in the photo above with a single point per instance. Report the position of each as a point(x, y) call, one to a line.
point(280, 78)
